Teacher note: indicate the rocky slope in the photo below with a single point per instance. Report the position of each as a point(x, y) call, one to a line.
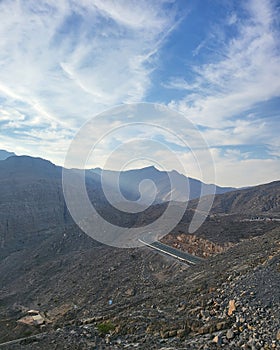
point(262, 199)
point(30, 200)
point(231, 301)
point(93, 296)
point(234, 216)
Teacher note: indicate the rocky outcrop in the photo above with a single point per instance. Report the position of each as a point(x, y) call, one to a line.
point(195, 245)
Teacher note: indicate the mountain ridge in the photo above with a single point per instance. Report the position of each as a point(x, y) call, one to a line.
point(184, 189)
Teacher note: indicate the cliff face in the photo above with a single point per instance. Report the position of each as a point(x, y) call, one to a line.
point(31, 199)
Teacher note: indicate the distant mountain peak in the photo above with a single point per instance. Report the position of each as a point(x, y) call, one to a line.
point(130, 180)
point(6, 154)
point(28, 167)
point(29, 159)
point(149, 168)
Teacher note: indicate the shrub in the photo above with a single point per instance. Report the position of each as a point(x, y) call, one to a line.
point(105, 328)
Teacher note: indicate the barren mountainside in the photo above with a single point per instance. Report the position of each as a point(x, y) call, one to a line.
point(259, 199)
point(92, 296)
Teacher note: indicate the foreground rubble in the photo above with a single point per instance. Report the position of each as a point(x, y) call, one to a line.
point(232, 301)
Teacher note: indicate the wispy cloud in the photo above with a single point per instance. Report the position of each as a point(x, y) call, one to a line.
point(64, 61)
point(245, 74)
point(240, 76)
point(238, 169)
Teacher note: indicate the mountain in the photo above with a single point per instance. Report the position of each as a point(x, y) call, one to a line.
point(31, 200)
point(262, 199)
point(5, 154)
point(142, 299)
point(32, 203)
point(183, 189)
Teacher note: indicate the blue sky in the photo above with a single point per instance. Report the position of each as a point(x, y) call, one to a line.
point(217, 62)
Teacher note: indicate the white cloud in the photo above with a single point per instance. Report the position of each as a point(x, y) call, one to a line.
point(236, 169)
point(245, 74)
point(61, 62)
point(134, 14)
point(224, 91)
point(232, 19)
point(198, 48)
point(243, 132)
point(103, 56)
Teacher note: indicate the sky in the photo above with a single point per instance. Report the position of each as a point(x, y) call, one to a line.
point(217, 62)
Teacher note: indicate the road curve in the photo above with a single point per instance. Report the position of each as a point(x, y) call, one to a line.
point(175, 253)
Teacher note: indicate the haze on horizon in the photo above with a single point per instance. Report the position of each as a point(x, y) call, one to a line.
point(218, 63)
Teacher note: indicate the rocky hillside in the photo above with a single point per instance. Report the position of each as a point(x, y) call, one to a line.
point(258, 200)
point(90, 296)
point(31, 200)
point(234, 216)
point(232, 300)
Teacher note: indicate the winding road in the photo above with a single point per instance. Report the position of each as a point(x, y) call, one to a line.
point(175, 253)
